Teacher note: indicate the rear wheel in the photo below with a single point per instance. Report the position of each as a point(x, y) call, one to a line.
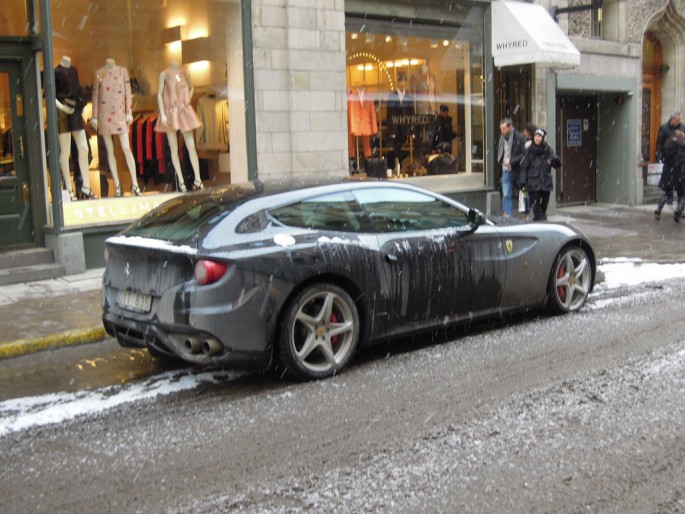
point(319, 332)
point(570, 280)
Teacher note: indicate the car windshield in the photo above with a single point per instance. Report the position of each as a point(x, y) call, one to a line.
point(182, 217)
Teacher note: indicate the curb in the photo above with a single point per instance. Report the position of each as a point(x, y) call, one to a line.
point(52, 341)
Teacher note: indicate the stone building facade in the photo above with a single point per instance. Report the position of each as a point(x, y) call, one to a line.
point(300, 101)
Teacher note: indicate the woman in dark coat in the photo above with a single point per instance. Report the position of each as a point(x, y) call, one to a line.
point(536, 173)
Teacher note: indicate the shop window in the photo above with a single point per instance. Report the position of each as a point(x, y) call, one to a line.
point(415, 92)
point(136, 61)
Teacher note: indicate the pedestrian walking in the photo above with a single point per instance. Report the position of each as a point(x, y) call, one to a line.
point(675, 146)
point(510, 152)
point(536, 173)
point(528, 131)
point(667, 155)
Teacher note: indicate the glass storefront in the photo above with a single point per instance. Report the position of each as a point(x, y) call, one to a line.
point(416, 90)
point(150, 102)
point(151, 99)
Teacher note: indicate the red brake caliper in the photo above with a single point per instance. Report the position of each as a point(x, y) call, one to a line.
point(334, 319)
point(561, 290)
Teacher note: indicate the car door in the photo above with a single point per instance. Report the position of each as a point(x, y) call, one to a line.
point(436, 267)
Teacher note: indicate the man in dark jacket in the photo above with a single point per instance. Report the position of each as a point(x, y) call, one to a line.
point(675, 146)
point(668, 157)
point(536, 173)
point(510, 151)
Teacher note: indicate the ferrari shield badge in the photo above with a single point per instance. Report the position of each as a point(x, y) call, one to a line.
point(509, 245)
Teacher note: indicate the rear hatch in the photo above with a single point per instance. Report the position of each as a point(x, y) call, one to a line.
point(158, 251)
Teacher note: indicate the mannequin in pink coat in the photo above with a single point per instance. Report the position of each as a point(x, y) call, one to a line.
point(112, 115)
point(176, 113)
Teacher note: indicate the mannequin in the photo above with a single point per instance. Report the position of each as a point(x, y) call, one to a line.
point(400, 109)
point(176, 113)
point(423, 86)
point(112, 105)
point(362, 117)
point(70, 124)
point(425, 92)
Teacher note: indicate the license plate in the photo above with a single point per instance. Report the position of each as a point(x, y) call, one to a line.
point(134, 301)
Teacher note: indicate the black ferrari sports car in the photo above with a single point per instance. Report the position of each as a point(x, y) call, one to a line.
point(255, 274)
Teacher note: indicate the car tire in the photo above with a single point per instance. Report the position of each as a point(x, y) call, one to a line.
point(319, 332)
point(570, 280)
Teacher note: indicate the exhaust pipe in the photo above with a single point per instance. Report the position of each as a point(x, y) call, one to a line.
point(193, 345)
point(211, 347)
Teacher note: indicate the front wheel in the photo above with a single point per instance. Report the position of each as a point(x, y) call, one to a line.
point(570, 280)
point(319, 332)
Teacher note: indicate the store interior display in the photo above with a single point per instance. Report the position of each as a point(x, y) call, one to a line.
point(411, 79)
point(176, 151)
point(139, 59)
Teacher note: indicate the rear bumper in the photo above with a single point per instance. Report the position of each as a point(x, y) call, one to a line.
point(174, 341)
point(224, 324)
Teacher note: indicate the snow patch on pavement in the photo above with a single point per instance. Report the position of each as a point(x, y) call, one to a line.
point(23, 413)
point(625, 272)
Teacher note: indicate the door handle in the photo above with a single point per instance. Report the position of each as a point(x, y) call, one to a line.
point(21, 146)
point(391, 257)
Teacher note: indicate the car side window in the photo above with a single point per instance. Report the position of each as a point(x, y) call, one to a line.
point(336, 212)
point(399, 210)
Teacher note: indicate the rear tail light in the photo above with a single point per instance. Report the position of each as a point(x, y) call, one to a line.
point(208, 272)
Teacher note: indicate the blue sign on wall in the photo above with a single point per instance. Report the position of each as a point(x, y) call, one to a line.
point(574, 133)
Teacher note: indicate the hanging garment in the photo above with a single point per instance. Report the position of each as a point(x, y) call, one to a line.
point(362, 114)
point(213, 113)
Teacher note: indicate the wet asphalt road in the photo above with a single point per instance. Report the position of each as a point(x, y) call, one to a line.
point(615, 231)
point(559, 414)
point(568, 414)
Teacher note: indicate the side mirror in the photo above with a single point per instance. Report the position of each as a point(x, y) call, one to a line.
point(475, 219)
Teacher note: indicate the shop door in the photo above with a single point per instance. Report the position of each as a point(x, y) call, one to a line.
point(577, 179)
point(16, 224)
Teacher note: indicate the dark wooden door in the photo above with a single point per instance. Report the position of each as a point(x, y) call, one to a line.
point(576, 179)
point(15, 210)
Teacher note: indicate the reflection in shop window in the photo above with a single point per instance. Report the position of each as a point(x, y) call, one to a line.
point(415, 96)
point(179, 59)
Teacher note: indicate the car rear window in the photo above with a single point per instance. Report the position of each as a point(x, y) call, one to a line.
point(336, 212)
point(182, 217)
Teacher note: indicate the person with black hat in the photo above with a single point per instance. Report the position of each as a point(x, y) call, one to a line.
point(536, 173)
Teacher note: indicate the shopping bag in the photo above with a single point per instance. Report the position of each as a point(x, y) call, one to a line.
point(522, 200)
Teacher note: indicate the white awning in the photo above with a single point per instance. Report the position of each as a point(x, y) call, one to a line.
point(524, 33)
